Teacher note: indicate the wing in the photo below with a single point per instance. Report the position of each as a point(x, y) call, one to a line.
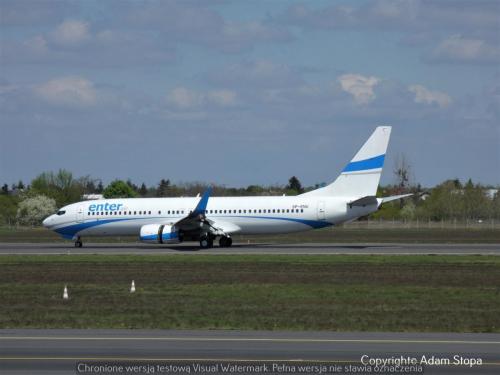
point(196, 223)
point(196, 219)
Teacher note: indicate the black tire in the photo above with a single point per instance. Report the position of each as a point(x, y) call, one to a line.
point(78, 244)
point(223, 241)
point(204, 243)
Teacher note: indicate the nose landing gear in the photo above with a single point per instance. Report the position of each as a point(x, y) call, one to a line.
point(78, 242)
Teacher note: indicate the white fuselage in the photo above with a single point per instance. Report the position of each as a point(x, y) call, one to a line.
point(243, 215)
point(171, 220)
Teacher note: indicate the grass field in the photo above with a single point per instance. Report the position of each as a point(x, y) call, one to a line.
point(348, 234)
point(324, 292)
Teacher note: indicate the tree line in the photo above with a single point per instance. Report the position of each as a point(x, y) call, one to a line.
point(29, 204)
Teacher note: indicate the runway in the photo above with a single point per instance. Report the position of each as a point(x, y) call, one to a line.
point(245, 248)
point(60, 351)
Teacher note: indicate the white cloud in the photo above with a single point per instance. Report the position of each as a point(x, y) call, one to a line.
point(72, 91)
point(424, 95)
point(360, 87)
point(184, 98)
point(71, 32)
point(457, 48)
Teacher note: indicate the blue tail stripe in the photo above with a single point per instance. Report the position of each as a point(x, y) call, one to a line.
point(362, 165)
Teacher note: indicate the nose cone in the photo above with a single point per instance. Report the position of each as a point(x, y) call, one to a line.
point(47, 221)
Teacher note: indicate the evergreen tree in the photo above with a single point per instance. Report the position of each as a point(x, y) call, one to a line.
point(163, 186)
point(100, 188)
point(143, 190)
point(295, 185)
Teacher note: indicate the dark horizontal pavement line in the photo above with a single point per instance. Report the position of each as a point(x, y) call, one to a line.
point(252, 339)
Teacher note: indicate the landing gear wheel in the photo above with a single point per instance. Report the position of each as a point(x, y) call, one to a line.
point(225, 241)
point(78, 243)
point(206, 242)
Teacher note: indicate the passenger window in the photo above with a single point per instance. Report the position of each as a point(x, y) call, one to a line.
point(301, 210)
point(287, 210)
point(159, 212)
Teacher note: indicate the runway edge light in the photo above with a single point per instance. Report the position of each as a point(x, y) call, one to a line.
point(132, 287)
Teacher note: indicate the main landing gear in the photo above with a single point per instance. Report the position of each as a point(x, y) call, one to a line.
point(207, 242)
point(78, 242)
point(225, 241)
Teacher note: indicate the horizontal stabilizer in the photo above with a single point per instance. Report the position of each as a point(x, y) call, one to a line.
point(392, 198)
point(365, 201)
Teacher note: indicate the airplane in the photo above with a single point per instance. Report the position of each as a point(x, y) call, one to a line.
point(206, 218)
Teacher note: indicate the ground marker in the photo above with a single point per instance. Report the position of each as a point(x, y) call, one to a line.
point(132, 287)
point(65, 293)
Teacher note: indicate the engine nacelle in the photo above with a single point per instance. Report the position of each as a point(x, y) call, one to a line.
point(159, 233)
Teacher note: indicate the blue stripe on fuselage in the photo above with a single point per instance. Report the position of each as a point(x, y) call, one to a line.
point(71, 230)
point(362, 165)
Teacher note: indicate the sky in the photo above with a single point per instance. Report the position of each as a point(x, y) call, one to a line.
point(248, 92)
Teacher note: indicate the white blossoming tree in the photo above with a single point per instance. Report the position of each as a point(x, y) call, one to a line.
point(32, 211)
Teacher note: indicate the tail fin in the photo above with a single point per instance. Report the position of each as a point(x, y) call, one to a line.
point(361, 176)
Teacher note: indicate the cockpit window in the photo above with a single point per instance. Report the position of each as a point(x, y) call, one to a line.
point(61, 212)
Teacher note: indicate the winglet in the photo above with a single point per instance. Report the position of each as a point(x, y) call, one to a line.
point(202, 204)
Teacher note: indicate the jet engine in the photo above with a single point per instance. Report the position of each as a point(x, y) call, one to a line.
point(159, 233)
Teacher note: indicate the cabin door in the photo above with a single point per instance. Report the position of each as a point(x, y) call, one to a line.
point(80, 213)
point(321, 210)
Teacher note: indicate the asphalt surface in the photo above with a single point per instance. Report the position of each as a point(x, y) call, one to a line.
point(60, 351)
point(262, 248)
